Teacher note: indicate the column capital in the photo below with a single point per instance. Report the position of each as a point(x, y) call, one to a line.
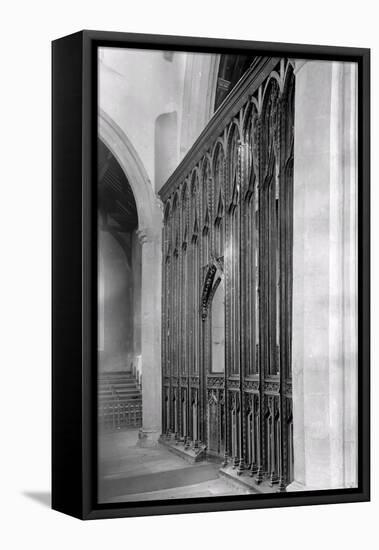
point(147, 235)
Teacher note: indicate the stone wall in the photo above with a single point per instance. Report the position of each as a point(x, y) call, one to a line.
point(324, 348)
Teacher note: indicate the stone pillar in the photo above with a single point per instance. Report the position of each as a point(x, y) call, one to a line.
point(324, 346)
point(151, 337)
point(199, 93)
point(137, 276)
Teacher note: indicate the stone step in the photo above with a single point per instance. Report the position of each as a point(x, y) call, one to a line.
point(115, 375)
point(118, 383)
point(136, 399)
point(126, 390)
point(120, 396)
point(119, 387)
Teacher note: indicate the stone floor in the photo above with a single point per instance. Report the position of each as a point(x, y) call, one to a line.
point(130, 473)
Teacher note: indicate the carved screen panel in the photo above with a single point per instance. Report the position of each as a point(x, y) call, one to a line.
point(228, 289)
point(213, 424)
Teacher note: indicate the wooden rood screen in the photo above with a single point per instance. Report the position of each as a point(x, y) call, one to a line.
point(227, 281)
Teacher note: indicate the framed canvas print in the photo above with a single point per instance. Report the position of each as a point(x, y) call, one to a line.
point(210, 274)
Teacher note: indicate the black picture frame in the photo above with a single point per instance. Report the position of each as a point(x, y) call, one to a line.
point(74, 298)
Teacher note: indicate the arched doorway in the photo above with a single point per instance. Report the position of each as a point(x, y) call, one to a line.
point(119, 298)
point(149, 216)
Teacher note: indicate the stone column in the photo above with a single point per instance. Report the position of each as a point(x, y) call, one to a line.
point(199, 94)
point(324, 347)
point(151, 337)
point(137, 279)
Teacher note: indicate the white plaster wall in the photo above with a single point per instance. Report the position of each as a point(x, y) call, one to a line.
point(199, 97)
point(136, 87)
point(115, 306)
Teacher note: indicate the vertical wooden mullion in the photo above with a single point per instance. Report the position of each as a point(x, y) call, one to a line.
point(178, 320)
point(186, 317)
point(180, 313)
point(174, 337)
point(241, 296)
point(203, 250)
point(168, 326)
point(246, 258)
point(283, 300)
point(262, 301)
point(227, 272)
point(174, 343)
point(163, 326)
point(193, 312)
point(172, 331)
point(200, 369)
point(257, 281)
point(171, 326)
point(165, 335)
point(185, 328)
point(178, 324)
point(198, 342)
point(175, 324)
point(271, 294)
point(286, 188)
point(237, 296)
point(253, 284)
point(193, 338)
point(190, 328)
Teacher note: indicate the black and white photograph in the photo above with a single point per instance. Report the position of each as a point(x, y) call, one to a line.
point(227, 274)
point(189, 274)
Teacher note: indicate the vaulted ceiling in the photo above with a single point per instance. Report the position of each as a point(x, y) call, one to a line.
point(116, 204)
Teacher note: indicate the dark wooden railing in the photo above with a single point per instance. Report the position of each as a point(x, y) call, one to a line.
point(114, 415)
point(119, 401)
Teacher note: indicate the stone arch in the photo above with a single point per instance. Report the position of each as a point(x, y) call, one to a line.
point(149, 207)
point(150, 221)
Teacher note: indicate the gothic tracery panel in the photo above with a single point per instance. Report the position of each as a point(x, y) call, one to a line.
point(228, 225)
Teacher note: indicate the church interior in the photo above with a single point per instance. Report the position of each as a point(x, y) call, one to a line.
point(227, 286)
